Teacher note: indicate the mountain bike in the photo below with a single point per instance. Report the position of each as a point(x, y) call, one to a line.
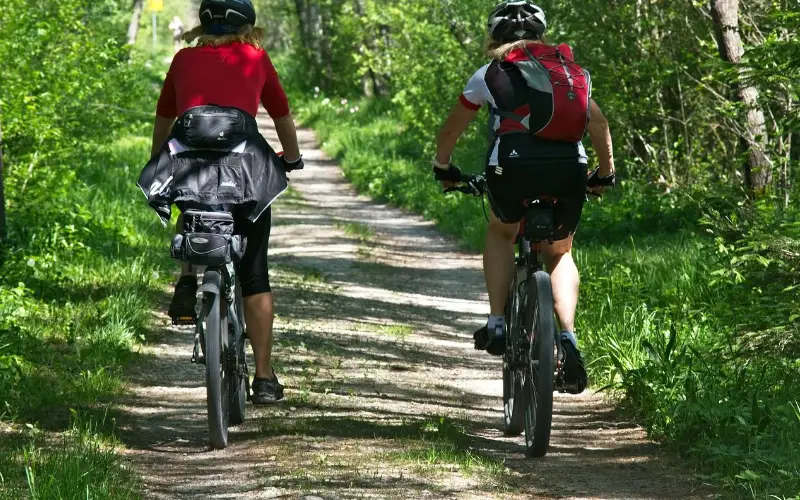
point(533, 358)
point(220, 341)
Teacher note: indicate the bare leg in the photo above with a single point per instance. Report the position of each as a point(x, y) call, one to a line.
point(565, 279)
point(498, 262)
point(259, 313)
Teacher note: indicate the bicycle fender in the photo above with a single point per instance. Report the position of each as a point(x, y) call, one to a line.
point(212, 282)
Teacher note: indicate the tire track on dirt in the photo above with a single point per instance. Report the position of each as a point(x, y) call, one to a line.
point(385, 396)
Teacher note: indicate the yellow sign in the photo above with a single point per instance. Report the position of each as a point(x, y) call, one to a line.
point(155, 5)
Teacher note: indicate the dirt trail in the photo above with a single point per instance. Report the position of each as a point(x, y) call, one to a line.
point(385, 396)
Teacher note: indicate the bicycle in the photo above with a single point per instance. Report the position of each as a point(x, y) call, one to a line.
point(220, 341)
point(533, 358)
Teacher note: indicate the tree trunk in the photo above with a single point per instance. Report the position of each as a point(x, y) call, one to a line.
point(133, 27)
point(758, 173)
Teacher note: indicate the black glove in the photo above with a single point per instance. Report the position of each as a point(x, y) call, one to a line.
point(295, 165)
point(596, 181)
point(452, 174)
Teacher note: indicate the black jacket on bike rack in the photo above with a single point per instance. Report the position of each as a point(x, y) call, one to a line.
point(214, 156)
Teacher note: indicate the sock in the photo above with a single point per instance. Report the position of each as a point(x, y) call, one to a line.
point(494, 322)
point(571, 336)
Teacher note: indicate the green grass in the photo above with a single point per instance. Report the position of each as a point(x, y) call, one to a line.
point(81, 463)
point(358, 230)
point(438, 442)
point(428, 447)
point(392, 330)
point(84, 284)
point(687, 313)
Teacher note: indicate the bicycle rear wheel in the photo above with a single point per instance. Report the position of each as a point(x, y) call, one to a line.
point(513, 395)
point(217, 371)
point(540, 324)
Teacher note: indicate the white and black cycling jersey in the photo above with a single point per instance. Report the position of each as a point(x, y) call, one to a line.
point(502, 86)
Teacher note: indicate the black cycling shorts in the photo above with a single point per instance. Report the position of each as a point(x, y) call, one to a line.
point(254, 268)
point(511, 184)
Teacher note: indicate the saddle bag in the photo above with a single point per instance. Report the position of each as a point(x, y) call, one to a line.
point(539, 224)
point(207, 239)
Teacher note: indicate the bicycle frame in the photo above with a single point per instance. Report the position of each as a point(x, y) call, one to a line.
point(529, 257)
point(222, 281)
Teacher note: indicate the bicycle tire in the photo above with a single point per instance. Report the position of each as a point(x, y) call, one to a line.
point(238, 395)
point(513, 411)
point(539, 319)
point(217, 383)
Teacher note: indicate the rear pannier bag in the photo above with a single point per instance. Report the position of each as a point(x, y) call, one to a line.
point(208, 240)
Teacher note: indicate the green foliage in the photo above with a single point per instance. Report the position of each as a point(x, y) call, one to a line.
point(686, 312)
point(80, 267)
point(80, 465)
point(687, 288)
point(670, 99)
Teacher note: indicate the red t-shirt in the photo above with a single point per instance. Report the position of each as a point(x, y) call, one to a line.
point(235, 74)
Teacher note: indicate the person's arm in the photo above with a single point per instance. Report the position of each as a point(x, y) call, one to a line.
point(166, 112)
point(274, 99)
point(600, 135)
point(475, 94)
point(287, 133)
point(161, 130)
point(458, 121)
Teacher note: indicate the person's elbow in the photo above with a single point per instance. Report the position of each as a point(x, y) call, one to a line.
point(598, 126)
point(598, 123)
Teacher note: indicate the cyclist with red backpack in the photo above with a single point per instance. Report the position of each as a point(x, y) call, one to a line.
point(540, 107)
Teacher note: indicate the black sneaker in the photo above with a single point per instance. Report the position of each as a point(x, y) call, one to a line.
point(575, 377)
point(266, 391)
point(495, 346)
point(181, 309)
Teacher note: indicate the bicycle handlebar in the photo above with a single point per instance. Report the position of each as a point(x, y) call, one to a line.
point(472, 184)
point(476, 185)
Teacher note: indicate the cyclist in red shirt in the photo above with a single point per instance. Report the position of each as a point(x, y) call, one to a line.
point(227, 67)
point(521, 166)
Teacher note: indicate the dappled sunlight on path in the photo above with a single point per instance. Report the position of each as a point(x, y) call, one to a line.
point(385, 396)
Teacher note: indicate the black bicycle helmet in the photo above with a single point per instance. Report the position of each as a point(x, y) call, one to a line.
point(219, 17)
point(517, 20)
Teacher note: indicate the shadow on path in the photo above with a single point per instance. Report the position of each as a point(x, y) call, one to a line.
point(385, 396)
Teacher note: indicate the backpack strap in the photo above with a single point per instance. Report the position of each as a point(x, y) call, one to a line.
point(508, 114)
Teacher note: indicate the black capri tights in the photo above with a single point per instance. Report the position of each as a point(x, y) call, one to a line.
point(254, 268)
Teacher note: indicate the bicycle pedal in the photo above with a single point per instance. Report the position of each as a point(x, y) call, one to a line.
point(559, 384)
point(200, 360)
point(184, 321)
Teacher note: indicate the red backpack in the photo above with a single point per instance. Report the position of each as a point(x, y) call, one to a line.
point(559, 94)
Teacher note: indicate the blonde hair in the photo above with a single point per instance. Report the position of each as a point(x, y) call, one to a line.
point(499, 50)
point(248, 34)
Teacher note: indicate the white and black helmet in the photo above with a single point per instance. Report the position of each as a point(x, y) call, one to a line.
point(516, 20)
point(226, 16)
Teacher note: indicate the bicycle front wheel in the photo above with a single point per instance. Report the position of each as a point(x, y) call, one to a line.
point(217, 372)
point(540, 326)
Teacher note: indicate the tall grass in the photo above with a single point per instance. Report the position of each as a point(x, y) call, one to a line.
point(696, 334)
point(84, 285)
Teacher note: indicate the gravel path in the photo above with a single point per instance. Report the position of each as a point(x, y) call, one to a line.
point(385, 396)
